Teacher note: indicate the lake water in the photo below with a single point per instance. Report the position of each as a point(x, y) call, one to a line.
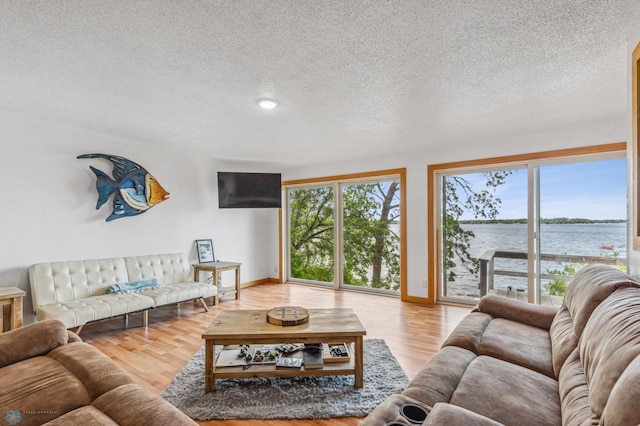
point(574, 239)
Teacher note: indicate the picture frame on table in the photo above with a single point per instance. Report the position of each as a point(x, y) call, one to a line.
point(205, 251)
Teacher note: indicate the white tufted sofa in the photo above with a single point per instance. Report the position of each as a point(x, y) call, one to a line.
point(74, 292)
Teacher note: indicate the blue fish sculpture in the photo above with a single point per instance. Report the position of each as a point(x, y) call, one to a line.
point(135, 189)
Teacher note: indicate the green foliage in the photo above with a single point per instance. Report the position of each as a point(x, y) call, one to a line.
point(558, 287)
point(311, 236)
point(370, 245)
point(460, 196)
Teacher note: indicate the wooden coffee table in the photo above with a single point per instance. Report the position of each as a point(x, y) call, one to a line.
point(250, 327)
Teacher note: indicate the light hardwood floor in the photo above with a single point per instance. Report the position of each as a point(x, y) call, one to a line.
point(154, 355)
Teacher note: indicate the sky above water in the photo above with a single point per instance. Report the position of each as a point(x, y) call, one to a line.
point(591, 190)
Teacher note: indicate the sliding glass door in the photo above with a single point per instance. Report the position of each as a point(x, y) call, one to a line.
point(523, 231)
point(346, 233)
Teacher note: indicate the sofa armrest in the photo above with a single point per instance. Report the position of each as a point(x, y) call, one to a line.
point(449, 414)
point(73, 337)
point(31, 340)
point(500, 307)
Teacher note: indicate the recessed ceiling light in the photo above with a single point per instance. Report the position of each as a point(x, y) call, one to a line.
point(267, 103)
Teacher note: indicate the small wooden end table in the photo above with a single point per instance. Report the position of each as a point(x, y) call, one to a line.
point(216, 268)
point(11, 303)
point(249, 326)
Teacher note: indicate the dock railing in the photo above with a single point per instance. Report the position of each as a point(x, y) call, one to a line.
point(488, 271)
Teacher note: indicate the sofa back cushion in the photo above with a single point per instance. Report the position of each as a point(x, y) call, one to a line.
point(591, 285)
point(610, 356)
point(165, 268)
point(54, 282)
point(563, 341)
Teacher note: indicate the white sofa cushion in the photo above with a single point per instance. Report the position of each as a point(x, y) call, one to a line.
point(179, 292)
point(78, 312)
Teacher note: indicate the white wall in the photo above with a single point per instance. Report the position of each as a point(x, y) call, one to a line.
point(48, 208)
point(416, 164)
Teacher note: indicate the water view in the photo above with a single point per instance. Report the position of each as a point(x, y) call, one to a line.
point(582, 206)
point(596, 239)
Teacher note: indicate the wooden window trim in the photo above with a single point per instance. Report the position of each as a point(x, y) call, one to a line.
point(402, 175)
point(635, 140)
point(433, 242)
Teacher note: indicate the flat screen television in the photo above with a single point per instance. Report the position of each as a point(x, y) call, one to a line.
point(249, 190)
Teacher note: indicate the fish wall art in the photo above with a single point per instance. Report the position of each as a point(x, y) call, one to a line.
point(135, 189)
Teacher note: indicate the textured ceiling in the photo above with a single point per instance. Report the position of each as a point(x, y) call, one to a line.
point(352, 77)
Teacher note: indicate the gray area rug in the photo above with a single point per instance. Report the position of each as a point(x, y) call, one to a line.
point(288, 398)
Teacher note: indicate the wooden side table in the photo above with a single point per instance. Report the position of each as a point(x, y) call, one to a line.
point(215, 268)
point(11, 303)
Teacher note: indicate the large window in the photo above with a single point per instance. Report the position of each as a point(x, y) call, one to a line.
point(311, 234)
point(347, 231)
point(521, 229)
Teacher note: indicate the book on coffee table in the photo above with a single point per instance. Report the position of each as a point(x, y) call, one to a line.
point(312, 360)
point(289, 362)
point(230, 358)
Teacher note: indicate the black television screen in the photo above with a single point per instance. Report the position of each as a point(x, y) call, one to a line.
point(249, 190)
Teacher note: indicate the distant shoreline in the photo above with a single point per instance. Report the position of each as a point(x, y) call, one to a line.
point(554, 221)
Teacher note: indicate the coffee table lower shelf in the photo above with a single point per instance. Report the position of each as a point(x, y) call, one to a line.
point(353, 367)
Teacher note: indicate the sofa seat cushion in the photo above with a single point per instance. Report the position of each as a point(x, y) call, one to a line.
point(505, 339)
point(519, 344)
point(78, 312)
point(132, 405)
point(41, 389)
point(85, 416)
point(449, 414)
point(508, 393)
point(179, 292)
point(127, 405)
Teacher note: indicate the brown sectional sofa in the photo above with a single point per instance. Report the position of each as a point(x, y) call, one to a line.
point(513, 363)
point(49, 376)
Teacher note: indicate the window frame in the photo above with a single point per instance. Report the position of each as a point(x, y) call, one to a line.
point(435, 171)
point(337, 181)
point(635, 140)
